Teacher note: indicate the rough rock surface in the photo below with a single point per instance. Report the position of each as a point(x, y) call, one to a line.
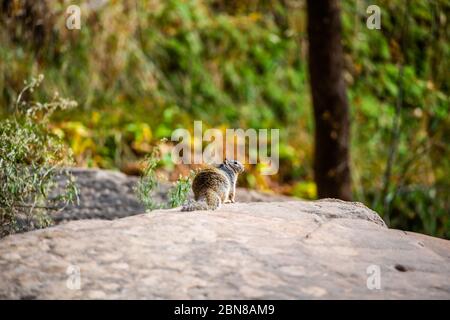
point(277, 250)
point(109, 195)
point(103, 194)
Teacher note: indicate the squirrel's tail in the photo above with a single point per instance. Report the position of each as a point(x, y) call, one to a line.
point(195, 205)
point(212, 202)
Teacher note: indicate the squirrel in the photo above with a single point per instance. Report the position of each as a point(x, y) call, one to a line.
point(213, 186)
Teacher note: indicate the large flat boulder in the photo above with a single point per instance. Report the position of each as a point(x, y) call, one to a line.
point(276, 250)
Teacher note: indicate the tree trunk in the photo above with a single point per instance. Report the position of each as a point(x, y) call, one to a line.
point(331, 111)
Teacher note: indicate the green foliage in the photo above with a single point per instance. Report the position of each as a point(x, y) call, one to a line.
point(178, 194)
point(29, 160)
point(401, 105)
point(305, 190)
point(148, 184)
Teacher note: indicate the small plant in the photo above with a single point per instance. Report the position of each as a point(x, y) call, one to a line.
point(30, 182)
point(148, 184)
point(178, 194)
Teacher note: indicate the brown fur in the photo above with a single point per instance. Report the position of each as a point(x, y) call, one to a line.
point(214, 186)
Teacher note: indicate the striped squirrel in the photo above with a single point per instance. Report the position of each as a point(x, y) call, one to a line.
point(213, 186)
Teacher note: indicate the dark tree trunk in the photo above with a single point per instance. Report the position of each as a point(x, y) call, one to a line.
point(331, 111)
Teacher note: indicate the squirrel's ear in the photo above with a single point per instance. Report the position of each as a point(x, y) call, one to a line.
point(225, 161)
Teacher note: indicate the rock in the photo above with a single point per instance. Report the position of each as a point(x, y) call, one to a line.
point(103, 194)
point(276, 250)
point(109, 195)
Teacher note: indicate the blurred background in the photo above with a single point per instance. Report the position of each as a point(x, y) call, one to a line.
point(140, 69)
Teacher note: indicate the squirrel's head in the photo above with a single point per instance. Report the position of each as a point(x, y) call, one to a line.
point(234, 165)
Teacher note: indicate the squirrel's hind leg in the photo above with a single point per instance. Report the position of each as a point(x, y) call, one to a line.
point(213, 200)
